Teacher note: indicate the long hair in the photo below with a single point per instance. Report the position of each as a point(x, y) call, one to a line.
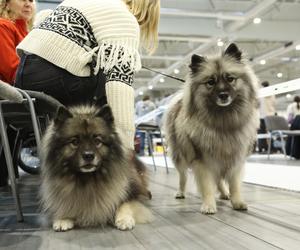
point(6, 13)
point(147, 13)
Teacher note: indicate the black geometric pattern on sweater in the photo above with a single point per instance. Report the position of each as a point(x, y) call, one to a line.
point(120, 72)
point(72, 24)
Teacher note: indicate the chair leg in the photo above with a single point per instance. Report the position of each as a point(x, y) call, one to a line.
point(14, 152)
point(35, 125)
point(269, 141)
point(283, 145)
point(151, 148)
point(10, 167)
point(164, 151)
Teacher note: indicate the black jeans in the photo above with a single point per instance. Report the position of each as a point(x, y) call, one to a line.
point(35, 73)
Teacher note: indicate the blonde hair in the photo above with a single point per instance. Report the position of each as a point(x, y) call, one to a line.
point(8, 14)
point(147, 13)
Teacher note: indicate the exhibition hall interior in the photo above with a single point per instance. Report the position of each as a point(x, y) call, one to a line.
point(216, 136)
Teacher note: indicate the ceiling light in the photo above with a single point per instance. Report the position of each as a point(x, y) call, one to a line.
point(262, 62)
point(162, 80)
point(150, 87)
point(220, 43)
point(288, 96)
point(279, 75)
point(257, 20)
point(176, 71)
point(298, 47)
point(141, 93)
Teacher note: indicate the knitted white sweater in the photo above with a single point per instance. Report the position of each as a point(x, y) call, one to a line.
point(78, 32)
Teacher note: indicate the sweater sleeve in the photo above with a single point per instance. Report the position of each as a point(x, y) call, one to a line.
point(120, 97)
point(8, 55)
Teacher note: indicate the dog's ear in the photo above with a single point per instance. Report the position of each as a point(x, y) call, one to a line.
point(196, 60)
point(106, 113)
point(62, 114)
point(234, 52)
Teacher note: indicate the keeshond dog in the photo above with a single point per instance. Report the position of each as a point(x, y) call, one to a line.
point(211, 126)
point(88, 177)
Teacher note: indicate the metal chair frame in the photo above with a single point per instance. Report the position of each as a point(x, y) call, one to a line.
point(6, 147)
point(278, 126)
point(148, 130)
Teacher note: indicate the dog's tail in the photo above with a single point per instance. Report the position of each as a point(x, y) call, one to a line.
point(9, 92)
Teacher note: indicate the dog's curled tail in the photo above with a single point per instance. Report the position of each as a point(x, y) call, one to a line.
point(8, 92)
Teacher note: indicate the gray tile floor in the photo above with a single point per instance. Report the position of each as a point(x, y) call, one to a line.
point(272, 222)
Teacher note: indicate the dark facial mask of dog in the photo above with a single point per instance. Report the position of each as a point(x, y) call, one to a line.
point(217, 83)
point(85, 139)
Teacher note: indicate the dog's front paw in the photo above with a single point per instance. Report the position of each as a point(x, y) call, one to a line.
point(179, 195)
point(125, 223)
point(62, 225)
point(240, 205)
point(208, 208)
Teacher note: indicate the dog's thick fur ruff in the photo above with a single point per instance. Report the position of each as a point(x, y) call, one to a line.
point(83, 191)
point(211, 126)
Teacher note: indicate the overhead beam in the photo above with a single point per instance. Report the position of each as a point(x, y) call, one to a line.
point(280, 88)
point(183, 38)
point(277, 52)
point(236, 16)
point(277, 30)
point(259, 8)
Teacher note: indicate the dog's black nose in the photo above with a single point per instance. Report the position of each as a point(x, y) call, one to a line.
point(223, 96)
point(88, 156)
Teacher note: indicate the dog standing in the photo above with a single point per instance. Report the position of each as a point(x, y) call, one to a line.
point(211, 126)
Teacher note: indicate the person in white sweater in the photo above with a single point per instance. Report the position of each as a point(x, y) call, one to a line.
point(86, 49)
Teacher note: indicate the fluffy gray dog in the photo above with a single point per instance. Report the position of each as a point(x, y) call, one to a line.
point(211, 126)
point(88, 177)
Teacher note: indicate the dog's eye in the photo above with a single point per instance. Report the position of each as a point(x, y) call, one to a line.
point(98, 141)
point(230, 78)
point(74, 141)
point(211, 82)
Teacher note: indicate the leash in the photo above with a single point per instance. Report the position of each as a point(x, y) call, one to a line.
point(158, 72)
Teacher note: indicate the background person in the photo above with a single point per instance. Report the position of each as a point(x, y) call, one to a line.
point(142, 108)
point(94, 42)
point(145, 106)
point(267, 104)
point(293, 109)
point(266, 108)
point(16, 18)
